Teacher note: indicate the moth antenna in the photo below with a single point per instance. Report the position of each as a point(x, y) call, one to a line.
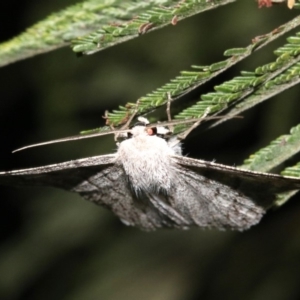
point(118, 131)
point(70, 138)
point(179, 122)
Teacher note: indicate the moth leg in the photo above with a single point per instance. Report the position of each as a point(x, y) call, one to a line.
point(105, 117)
point(110, 125)
point(183, 135)
point(168, 110)
point(126, 125)
point(134, 112)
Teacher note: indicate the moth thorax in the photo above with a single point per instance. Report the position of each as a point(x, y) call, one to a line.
point(152, 175)
point(148, 163)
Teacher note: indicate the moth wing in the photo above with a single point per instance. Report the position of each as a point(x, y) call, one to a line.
point(258, 182)
point(197, 201)
point(62, 175)
point(110, 188)
point(97, 179)
point(204, 194)
point(213, 195)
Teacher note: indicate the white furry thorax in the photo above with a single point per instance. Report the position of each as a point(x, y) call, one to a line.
point(147, 161)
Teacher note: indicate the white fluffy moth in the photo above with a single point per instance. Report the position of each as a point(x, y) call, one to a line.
point(148, 183)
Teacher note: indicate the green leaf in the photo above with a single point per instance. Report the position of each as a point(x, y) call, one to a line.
point(293, 171)
point(241, 87)
point(93, 25)
point(155, 17)
point(275, 153)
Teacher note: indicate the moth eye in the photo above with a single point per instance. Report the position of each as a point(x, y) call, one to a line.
point(129, 135)
point(151, 131)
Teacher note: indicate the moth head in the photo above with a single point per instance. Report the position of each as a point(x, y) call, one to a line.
point(143, 127)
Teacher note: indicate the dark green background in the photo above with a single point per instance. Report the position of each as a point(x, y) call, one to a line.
point(54, 245)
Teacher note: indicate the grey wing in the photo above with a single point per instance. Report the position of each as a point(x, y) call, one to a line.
point(212, 195)
point(97, 179)
point(213, 204)
point(204, 194)
point(62, 175)
point(110, 188)
point(195, 200)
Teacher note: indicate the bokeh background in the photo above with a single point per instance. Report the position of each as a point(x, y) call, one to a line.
point(54, 245)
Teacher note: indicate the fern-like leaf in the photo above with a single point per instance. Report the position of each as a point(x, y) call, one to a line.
point(293, 171)
point(229, 92)
point(168, 12)
point(58, 29)
point(275, 153)
point(109, 20)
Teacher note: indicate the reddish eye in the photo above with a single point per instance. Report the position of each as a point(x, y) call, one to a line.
point(151, 131)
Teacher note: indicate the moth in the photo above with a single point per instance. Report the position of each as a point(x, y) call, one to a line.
point(149, 184)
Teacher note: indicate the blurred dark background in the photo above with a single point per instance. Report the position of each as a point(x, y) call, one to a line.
point(54, 245)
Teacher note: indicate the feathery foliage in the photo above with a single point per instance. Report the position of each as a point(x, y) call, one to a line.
point(93, 25)
point(158, 16)
point(275, 153)
point(252, 87)
point(116, 18)
point(51, 241)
